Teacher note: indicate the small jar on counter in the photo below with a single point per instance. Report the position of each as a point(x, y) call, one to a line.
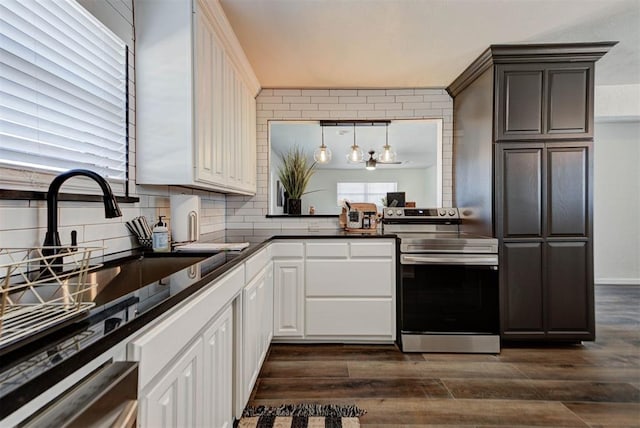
point(312, 210)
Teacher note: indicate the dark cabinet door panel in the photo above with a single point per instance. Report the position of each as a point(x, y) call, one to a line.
point(569, 288)
point(567, 187)
point(522, 103)
point(521, 288)
point(568, 95)
point(522, 192)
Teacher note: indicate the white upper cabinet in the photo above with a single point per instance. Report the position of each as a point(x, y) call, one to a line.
point(195, 99)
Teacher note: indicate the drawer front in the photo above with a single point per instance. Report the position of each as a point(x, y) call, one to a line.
point(287, 250)
point(255, 264)
point(347, 278)
point(156, 347)
point(328, 249)
point(349, 317)
point(372, 249)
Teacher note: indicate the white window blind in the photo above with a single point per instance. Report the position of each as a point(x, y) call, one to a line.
point(63, 93)
point(364, 192)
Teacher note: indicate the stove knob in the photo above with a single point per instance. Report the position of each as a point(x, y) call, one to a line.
point(389, 212)
point(442, 212)
point(399, 212)
point(452, 212)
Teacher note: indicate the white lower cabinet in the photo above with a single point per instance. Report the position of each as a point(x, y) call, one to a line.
point(288, 299)
point(257, 321)
point(175, 400)
point(350, 290)
point(218, 361)
point(186, 361)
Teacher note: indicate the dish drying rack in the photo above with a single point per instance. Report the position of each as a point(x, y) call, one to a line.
point(42, 287)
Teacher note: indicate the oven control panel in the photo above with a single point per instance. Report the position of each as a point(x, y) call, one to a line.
point(421, 213)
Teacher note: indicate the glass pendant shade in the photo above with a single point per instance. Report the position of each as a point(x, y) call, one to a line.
point(387, 155)
point(355, 154)
point(322, 154)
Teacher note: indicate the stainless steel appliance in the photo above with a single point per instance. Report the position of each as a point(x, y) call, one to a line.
point(448, 283)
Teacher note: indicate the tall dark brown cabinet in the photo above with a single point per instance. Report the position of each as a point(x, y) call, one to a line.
point(523, 161)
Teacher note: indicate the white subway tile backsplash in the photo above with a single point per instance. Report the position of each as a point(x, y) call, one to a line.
point(324, 100)
point(282, 114)
point(314, 92)
point(304, 106)
point(381, 99)
point(352, 100)
point(269, 100)
point(387, 106)
point(297, 99)
point(344, 92)
point(400, 91)
point(287, 92)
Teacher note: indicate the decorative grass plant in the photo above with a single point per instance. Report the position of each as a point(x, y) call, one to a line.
point(295, 172)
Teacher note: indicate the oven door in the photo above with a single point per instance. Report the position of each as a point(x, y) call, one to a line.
point(449, 294)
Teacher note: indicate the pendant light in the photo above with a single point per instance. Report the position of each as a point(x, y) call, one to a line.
point(322, 154)
point(387, 155)
point(355, 154)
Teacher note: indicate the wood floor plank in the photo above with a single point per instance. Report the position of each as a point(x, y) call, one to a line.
point(468, 412)
point(608, 414)
point(304, 388)
point(549, 390)
point(428, 369)
point(296, 369)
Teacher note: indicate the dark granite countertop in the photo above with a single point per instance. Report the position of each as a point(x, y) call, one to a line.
point(33, 365)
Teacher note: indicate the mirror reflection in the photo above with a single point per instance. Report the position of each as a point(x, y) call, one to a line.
point(360, 161)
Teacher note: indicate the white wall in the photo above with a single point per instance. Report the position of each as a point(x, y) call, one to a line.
point(23, 222)
point(617, 202)
point(317, 104)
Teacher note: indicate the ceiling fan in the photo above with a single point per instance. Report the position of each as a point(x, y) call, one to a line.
point(371, 163)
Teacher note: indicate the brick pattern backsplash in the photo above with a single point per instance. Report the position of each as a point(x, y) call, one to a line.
point(317, 104)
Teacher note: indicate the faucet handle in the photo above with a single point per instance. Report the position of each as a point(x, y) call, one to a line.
point(74, 241)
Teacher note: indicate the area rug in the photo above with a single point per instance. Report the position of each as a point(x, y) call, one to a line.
point(301, 416)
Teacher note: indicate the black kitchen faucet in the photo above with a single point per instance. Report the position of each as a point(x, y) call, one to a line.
point(111, 209)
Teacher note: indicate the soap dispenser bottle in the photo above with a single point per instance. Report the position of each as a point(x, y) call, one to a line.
point(161, 236)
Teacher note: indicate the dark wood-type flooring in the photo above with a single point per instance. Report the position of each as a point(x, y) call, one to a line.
point(596, 384)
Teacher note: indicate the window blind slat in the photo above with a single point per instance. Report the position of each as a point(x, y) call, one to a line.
point(39, 81)
point(22, 44)
point(62, 89)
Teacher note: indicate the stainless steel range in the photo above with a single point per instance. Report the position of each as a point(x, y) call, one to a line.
point(448, 283)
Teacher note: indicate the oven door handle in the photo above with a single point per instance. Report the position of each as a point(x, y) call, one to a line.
point(485, 260)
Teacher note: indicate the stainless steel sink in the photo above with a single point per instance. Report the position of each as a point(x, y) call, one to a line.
point(115, 280)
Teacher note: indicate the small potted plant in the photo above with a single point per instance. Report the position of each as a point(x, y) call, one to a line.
point(295, 173)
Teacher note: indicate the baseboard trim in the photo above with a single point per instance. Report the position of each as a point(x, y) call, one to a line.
point(617, 281)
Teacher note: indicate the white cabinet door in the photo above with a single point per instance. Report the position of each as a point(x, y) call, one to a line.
point(189, 117)
point(175, 400)
point(251, 336)
point(288, 307)
point(218, 370)
point(209, 60)
point(265, 302)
